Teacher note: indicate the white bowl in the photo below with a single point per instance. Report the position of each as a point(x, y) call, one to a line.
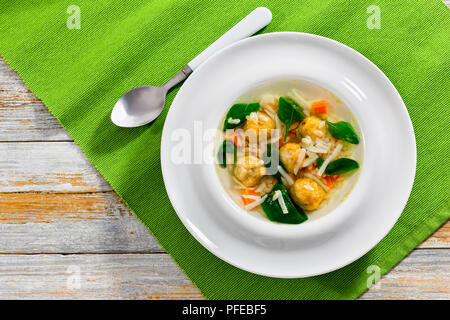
point(315, 247)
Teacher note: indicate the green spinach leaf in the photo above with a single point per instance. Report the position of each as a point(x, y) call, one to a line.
point(239, 111)
point(227, 147)
point(274, 212)
point(319, 162)
point(271, 160)
point(340, 166)
point(289, 112)
point(344, 131)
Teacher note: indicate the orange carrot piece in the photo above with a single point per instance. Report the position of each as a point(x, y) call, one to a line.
point(248, 192)
point(319, 107)
point(235, 140)
point(329, 182)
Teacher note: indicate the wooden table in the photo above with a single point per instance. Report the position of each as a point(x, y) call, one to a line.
point(64, 233)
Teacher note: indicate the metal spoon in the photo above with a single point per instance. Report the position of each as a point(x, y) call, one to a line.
point(144, 104)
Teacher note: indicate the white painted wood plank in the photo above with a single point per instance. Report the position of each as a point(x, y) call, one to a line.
point(422, 275)
point(70, 223)
point(23, 117)
point(47, 166)
point(439, 239)
point(102, 276)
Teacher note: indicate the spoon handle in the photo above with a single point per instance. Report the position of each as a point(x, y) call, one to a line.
point(255, 21)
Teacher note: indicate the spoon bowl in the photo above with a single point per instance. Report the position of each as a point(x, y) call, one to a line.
point(139, 106)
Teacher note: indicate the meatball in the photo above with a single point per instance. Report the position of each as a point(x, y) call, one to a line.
point(312, 126)
point(307, 193)
point(249, 170)
point(261, 123)
point(289, 154)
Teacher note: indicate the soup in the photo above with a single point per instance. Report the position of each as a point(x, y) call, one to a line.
point(288, 151)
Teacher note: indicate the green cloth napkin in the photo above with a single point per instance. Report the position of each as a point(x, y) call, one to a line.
point(80, 73)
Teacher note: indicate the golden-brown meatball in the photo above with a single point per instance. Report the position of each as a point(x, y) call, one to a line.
point(289, 154)
point(249, 170)
point(259, 125)
point(312, 126)
point(307, 193)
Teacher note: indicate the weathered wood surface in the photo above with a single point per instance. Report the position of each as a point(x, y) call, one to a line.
point(70, 223)
point(422, 275)
point(58, 214)
point(101, 276)
point(23, 117)
point(47, 167)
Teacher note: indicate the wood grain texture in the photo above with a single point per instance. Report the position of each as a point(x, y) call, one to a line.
point(156, 276)
point(102, 276)
point(47, 166)
point(439, 239)
point(57, 214)
point(23, 117)
point(423, 274)
point(70, 223)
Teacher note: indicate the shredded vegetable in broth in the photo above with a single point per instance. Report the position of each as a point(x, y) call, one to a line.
point(289, 151)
